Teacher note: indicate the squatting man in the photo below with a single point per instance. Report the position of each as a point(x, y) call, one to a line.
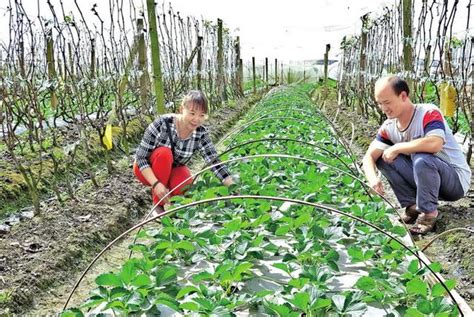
point(417, 153)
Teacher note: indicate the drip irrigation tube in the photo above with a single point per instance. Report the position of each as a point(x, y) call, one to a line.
point(297, 201)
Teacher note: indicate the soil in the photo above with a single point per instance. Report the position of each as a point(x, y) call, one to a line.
point(41, 257)
point(453, 250)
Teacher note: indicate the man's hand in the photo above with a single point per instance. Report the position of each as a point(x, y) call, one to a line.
point(377, 186)
point(390, 154)
point(160, 191)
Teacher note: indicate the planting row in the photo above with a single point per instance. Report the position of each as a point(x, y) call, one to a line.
point(299, 234)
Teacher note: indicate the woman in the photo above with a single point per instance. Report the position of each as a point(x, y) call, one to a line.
point(168, 144)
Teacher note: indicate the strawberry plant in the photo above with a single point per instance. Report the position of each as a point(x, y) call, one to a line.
point(270, 256)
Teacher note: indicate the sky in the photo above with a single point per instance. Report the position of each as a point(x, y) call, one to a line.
point(287, 30)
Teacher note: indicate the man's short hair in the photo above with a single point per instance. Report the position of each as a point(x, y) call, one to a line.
point(398, 85)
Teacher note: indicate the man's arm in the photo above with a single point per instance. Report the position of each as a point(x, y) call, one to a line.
point(429, 144)
point(370, 170)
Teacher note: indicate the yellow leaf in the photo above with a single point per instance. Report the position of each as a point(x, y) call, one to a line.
point(107, 139)
point(447, 99)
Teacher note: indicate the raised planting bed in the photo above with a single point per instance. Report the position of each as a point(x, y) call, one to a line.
point(300, 234)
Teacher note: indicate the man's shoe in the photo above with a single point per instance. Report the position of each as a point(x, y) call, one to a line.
point(423, 225)
point(410, 215)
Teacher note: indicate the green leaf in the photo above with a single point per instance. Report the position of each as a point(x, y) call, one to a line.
point(417, 287)
point(333, 265)
point(262, 219)
point(242, 268)
point(281, 310)
point(163, 245)
point(282, 266)
point(116, 304)
point(395, 245)
point(93, 302)
point(233, 225)
point(73, 312)
point(141, 280)
point(190, 306)
point(368, 254)
point(437, 290)
point(298, 282)
point(356, 254)
point(129, 271)
point(332, 255)
point(413, 312)
point(282, 230)
point(436, 266)
point(202, 276)
point(166, 221)
point(185, 245)
point(118, 292)
point(301, 301)
point(321, 303)
point(413, 267)
point(186, 290)
point(303, 219)
point(366, 283)
point(174, 305)
point(399, 230)
point(424, 306)
point(264, 293)
point(165, 275)
point(108, 279)
point(451, 284)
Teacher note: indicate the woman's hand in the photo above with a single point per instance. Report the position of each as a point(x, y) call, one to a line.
point(228, 181)
point(160, 191)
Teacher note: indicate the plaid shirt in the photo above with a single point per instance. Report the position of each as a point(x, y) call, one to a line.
point(156, 135)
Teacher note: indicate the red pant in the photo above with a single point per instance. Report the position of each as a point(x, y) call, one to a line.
point(161, 161)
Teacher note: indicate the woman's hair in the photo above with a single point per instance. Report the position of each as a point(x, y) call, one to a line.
point(196, 98)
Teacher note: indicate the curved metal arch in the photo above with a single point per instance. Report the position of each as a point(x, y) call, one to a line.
point(297, 201)
point(248, 125)
point(315, 162)
point(325, 118)
point(289, 140)
point(339, 135)
point(280, 109)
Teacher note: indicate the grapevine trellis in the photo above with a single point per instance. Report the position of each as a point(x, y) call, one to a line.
point(436, 50)
point(282, 242)
point(68, 82)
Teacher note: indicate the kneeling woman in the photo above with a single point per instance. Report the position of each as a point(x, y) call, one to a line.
point(168, 144)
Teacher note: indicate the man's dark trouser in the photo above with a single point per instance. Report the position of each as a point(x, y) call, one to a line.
point(422, 179)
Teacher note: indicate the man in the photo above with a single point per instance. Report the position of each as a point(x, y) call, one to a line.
point(417, 153)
